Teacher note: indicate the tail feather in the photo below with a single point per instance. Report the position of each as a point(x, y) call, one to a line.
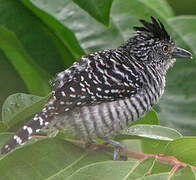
point(25, 133)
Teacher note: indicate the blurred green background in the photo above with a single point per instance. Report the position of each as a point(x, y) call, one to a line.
point(39, 43)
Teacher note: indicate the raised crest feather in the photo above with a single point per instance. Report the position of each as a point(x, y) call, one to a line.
point(156, 28)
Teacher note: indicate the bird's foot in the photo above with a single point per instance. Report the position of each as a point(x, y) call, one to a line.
point(117, 147)
point(91, 146)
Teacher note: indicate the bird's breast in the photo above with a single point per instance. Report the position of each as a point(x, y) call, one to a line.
point(105, 119)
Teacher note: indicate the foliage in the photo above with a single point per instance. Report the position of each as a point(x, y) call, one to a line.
point(41, 37)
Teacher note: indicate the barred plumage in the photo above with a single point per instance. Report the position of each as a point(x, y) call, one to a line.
point(104, 92)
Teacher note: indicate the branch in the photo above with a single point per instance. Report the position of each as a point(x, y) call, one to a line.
point(167, 160)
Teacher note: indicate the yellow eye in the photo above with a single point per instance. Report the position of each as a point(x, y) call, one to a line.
point(165, 48)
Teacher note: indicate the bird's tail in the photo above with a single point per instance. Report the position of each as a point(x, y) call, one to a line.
point(25, 133)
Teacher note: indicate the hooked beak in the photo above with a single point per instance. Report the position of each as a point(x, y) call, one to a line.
point(181, 53)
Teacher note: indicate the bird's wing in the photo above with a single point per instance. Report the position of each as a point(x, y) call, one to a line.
point(96, 78)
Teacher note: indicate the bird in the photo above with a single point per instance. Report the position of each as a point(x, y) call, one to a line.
point(102, 93)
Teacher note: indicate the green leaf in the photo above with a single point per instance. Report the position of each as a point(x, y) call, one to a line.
point(91, 158)
point(185, 173)
point(142, 169)
point(19, 106)
point(62, 32)
point(98, 9)
point(183, 149)
point(114, 170)
point(46, 159)
point(150, 132)
point(161, 176)
point(32, 75)
point(110, 169)
point(150, 118)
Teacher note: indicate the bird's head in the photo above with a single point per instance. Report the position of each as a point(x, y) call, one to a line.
point(153, 45)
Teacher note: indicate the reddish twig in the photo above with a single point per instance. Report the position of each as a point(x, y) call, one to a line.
point(167, 160)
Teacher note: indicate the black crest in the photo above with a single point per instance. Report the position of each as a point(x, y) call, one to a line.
point(156, 28)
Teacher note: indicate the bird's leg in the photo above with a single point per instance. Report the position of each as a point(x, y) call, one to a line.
point(117, 147)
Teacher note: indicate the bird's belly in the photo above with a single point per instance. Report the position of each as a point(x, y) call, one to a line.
point(105, 119)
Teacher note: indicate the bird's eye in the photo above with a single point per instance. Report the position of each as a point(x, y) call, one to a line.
point(165, 48)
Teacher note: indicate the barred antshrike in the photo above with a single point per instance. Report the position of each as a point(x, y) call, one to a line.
point(106, 91)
